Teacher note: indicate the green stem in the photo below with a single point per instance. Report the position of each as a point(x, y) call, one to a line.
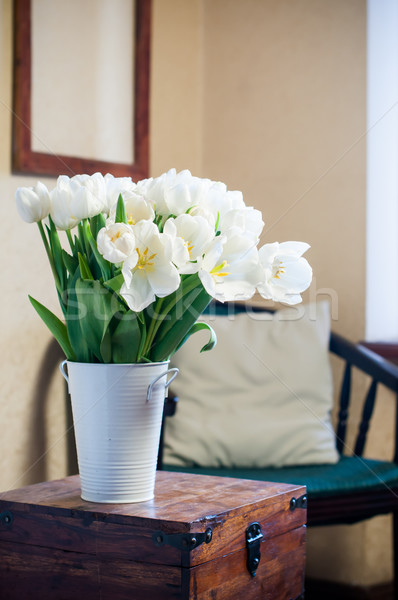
point(50, 257)
point(44, 238)
point(152, 331)
point(71, 244)
point(142, 343)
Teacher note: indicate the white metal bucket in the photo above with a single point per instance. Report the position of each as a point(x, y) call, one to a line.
point(117, 414)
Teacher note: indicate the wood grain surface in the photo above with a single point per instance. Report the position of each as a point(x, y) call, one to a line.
point(58, 543)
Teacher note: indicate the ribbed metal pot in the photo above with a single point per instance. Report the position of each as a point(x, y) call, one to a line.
point(117, 414)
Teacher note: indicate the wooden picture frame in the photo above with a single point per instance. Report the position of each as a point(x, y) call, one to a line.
point(24, 158)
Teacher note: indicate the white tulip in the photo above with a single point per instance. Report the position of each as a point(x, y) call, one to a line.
point(180, 250)
point(136, 206)
point(33, 203)
point(95, 184)
point(61, 210)
point(191, 237)
point(285, 272)
point(116, 242)
point(77, 198)
point(249, 220)
point(175, 193)
point(154, 190)
point(230, 270)
point(151, 272)
point(114, 187)
point(186, 193)
point(226, 209)
point(218, 202)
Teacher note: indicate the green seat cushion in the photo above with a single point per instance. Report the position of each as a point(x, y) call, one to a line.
point(350, 474)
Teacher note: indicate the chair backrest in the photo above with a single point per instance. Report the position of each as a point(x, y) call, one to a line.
point(380, 372)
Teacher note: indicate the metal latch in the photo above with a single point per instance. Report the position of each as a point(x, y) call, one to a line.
point(182, 541)
point(300, 502)
point(6, 518)
point(253, 539)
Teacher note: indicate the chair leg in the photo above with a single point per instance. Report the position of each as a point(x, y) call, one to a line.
point(395, 553)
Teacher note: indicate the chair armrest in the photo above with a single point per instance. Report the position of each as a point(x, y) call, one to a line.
point(366, 360)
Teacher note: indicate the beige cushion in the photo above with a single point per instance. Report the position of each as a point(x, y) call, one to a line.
point(262, 397)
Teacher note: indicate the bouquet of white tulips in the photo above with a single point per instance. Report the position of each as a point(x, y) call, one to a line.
point(144, 259)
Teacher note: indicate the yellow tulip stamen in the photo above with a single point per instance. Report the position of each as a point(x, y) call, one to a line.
point(144, 261)
point(189, 246)
point(130, 219)
point(116, 236)
point(278, 271)
point(218, 271)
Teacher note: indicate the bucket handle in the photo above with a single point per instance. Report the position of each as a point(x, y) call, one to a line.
point(63, 372)
point(175, 372)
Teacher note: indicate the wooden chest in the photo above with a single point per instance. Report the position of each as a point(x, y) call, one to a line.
point(200, 538)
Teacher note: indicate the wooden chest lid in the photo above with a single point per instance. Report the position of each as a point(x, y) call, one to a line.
point(192, 519)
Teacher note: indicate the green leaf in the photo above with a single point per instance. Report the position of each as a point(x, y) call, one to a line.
point(83, 239)
point(99, 307)
point(102, 263)
point(70, 262)
point(164, 348)
point(181, 306)
point(121, 216)
point(96, 224)
point(56, 250)
point(93, 318)
point(106, 346)
point(78, 247)
point(55, 325)
point(62, 299)
point(126, 339)
point(115, 283)
point(73, 315)
point(197, 327)
point(94, 267)
point(175, 305)
point(84, 268)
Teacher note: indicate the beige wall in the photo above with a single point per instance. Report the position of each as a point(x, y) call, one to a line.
point(176, 86)
point(268, 96)
point(284, 105)
point(25, 382)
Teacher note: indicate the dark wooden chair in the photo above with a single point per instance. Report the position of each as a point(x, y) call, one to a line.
point(356, 488)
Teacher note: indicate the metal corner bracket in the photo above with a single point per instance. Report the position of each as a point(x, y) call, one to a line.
point(182, 541)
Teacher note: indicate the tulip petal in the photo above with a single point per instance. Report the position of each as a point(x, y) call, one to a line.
point(297, 276)
point(139, 294)
point(294, 248)
point(164, 281)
